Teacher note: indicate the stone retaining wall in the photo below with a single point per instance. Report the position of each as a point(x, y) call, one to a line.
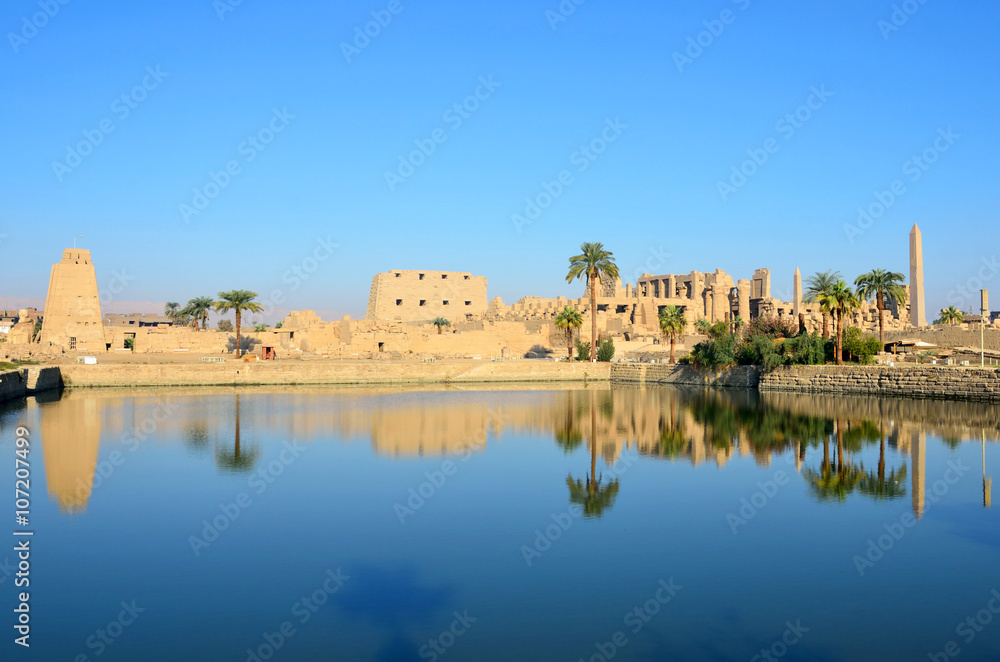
point(908, 381)
point(16, 384)
point(664, 373)
point(290, 373)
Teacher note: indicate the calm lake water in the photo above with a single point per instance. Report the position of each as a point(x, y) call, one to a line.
point(593, 524)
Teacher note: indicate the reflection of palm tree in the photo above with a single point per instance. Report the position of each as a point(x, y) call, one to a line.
point(591, 494)
point(827, 484)
point(673, 439)
point(569, 436)
point(237, 461)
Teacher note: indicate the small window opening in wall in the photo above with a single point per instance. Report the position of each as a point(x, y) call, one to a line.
point(445, 302)
point(444, 276)
point(399, 302)
point(466, 278)
point(420, 276)
point(423, 301)
point(72, 342)
point(397, 274)
point(468, 303)
point(381, 346)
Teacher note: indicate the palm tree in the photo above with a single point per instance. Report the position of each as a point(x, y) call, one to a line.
point(818, 285)
point(172, 309)
point(702, 326)
point(440, 322)
point(593, 263)
point(950, 315)
point(842, 301)
point(738, 324)
point(238, 301)
point(672, 324)
point(570, 319)
point(883, 286)
point(198, 308)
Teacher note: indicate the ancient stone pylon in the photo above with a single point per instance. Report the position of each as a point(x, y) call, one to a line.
point(918, 312)
point(73, 307)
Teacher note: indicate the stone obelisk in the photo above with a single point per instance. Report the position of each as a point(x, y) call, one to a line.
point(797, 292)
point(918, 313)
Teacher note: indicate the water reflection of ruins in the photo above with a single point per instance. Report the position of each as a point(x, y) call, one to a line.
point(824, 434)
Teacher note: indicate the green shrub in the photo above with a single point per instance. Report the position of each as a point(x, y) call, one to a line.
point(718, 352)
point(606, 350)
point(859, 346)
point(130, 343)
point(772, 327)
point(582, 350)
point(805, 349)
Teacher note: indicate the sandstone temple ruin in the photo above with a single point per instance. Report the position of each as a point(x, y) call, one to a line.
point(402, 304)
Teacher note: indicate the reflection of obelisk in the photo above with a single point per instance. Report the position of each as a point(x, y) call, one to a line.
point(987, 482)
point(918, 313)
point(797, 292)
point(918, 460)
point(71, 436)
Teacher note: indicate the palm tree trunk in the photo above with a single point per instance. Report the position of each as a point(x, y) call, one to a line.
point(569, 343)
point(593, 316)
point(880, 304)
point(840, 447)
point(239, 352)
point(881, 460)
point(672, 349)
point(840, 338)
point(826, 326)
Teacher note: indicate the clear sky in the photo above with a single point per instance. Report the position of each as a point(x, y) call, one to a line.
point(115, 116)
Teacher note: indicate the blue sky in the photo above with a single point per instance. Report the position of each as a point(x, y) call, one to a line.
point(333, 128)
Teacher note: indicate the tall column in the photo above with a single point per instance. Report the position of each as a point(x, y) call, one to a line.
point(918, 312)
point(797, 292)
